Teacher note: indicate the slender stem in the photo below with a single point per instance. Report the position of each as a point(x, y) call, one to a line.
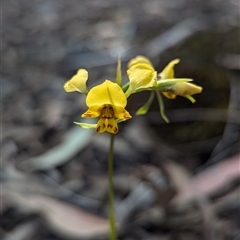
point(128, 92)
point(111, 190)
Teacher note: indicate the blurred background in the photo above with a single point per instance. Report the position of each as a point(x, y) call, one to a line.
point(176, 181)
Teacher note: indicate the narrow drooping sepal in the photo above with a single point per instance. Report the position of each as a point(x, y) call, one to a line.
point(144, 109)
point(161, 107)
point(86, 125)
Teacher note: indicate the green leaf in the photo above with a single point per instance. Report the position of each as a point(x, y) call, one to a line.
point(144, 109)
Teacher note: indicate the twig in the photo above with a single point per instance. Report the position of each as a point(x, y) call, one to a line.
point(231, 130)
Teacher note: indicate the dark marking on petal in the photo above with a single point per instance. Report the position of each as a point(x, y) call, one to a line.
point(87, 114)
point(115, 130)
point(98, 129)
point(126, 116)
point(107, 112)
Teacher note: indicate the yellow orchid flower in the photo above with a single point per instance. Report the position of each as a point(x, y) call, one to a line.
point(77, 82)
point(107, 101)
point(141, 74)
point(182, 88)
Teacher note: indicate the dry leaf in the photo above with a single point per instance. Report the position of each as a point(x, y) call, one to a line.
point(62, 218)
point(212, 180)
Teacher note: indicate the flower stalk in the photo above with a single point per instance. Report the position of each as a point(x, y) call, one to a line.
point(111, 215)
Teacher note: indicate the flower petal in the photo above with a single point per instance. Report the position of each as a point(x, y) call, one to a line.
point(168, 71)
point(167, 84)
point(77, 82)
point(186, 88)
point(121, 113)
point(182, 89)
point(141, 76)
point(106, 93)
point(169, 95)
point(139, 59)
point(109, 125)
point(92, 112)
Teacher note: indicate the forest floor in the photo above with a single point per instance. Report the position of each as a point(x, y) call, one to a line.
point(176, 181)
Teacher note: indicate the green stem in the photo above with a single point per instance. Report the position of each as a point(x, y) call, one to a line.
point(128, 92)
point(111, 190)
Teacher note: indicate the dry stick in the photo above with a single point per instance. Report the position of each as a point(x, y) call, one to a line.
point(231, 130)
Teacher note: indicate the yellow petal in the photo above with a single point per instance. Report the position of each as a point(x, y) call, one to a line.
point(168, 71)
point(121, 113)
point(186, 88)
point(141, 65)
point(139, 59)
point(92, 112)
point(182, 89)
point(106, 93)
point(109, 125)
point(141, 76)
point(77, 82)
point(169, 95)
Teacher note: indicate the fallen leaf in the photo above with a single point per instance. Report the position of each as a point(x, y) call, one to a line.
point(73, 142)
point(211, 180)
point(62, 218)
